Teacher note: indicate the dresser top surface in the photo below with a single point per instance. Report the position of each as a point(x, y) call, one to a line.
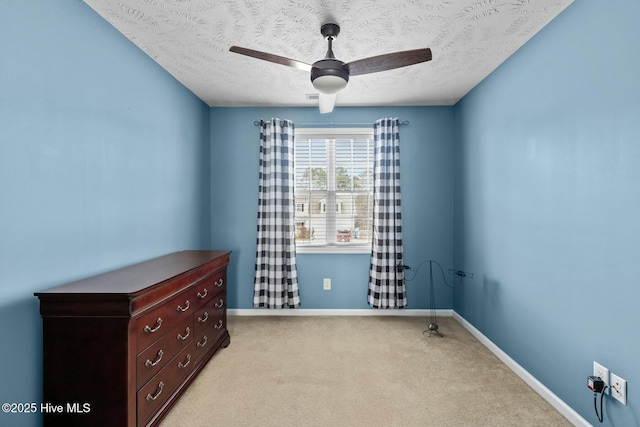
point(137, 277)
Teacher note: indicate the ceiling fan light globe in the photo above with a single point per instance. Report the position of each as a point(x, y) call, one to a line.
point(329, 84)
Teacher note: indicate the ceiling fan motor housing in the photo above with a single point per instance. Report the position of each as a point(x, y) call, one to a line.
point(326, 75)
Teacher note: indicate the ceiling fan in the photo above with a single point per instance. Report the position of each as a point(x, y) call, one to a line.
point(330, 75)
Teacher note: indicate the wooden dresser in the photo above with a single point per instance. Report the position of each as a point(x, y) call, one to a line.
point(120, 348)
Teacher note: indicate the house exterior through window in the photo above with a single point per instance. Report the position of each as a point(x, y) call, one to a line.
point(333, 189)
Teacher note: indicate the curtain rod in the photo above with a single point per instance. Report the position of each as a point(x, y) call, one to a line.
point(332, 124)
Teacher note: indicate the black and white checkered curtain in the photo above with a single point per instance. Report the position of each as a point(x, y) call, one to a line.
point(276, 281)
point(386, 281)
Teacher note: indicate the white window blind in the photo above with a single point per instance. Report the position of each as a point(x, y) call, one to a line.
point(334, 182)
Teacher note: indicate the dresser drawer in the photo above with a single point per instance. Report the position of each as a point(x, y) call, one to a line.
point(201, 320)
point(210, 287)
point(162, 386)
point(220, 317)
point(152, 326)
point(156, 356)
point(206, 318)
point(209, 323)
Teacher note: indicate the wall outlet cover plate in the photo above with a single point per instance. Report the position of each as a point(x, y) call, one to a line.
point(603, 373)
point(619, 388)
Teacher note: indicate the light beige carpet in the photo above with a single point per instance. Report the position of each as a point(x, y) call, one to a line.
point(356, 371)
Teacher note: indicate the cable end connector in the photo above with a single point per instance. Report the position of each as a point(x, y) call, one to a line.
point(595, 384)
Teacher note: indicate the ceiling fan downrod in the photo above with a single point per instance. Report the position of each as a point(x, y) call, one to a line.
point(330, 32)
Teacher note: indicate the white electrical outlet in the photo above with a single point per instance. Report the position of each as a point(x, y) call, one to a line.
point(326, 284)
point(603, 373)
point(619, 388)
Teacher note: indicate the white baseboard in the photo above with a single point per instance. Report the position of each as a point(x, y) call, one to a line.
point(335, 312)
point(571, 415)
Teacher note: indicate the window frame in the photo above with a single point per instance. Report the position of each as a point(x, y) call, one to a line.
point(335, 133)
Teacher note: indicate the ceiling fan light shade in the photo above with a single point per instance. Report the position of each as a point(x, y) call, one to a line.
point(330, 84)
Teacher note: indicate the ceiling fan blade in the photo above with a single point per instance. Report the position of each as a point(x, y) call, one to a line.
point(388, 61)
point(326, 102)
point(271, 58)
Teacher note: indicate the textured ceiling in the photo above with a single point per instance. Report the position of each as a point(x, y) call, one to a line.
point(191, 40)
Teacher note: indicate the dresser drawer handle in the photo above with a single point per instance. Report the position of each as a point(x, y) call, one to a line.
point(187, 332)
point(220, 303)
point(157, 393)
point(219, 324)
point(186, 306)
point(184, 365)
point(206, 316)
point(202, 295)
point(219, 283)
point(203, 342)
point(149, 330)
point(149, 363)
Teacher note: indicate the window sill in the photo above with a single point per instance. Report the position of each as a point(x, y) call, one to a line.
point(333, 249)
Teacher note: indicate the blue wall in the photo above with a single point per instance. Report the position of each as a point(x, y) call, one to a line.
point(426, 150)
point(547, 204)
point(103, 163)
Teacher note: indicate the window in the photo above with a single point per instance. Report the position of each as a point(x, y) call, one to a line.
point(334, 184)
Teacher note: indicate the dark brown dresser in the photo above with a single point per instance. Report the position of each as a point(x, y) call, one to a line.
point(120, 348)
